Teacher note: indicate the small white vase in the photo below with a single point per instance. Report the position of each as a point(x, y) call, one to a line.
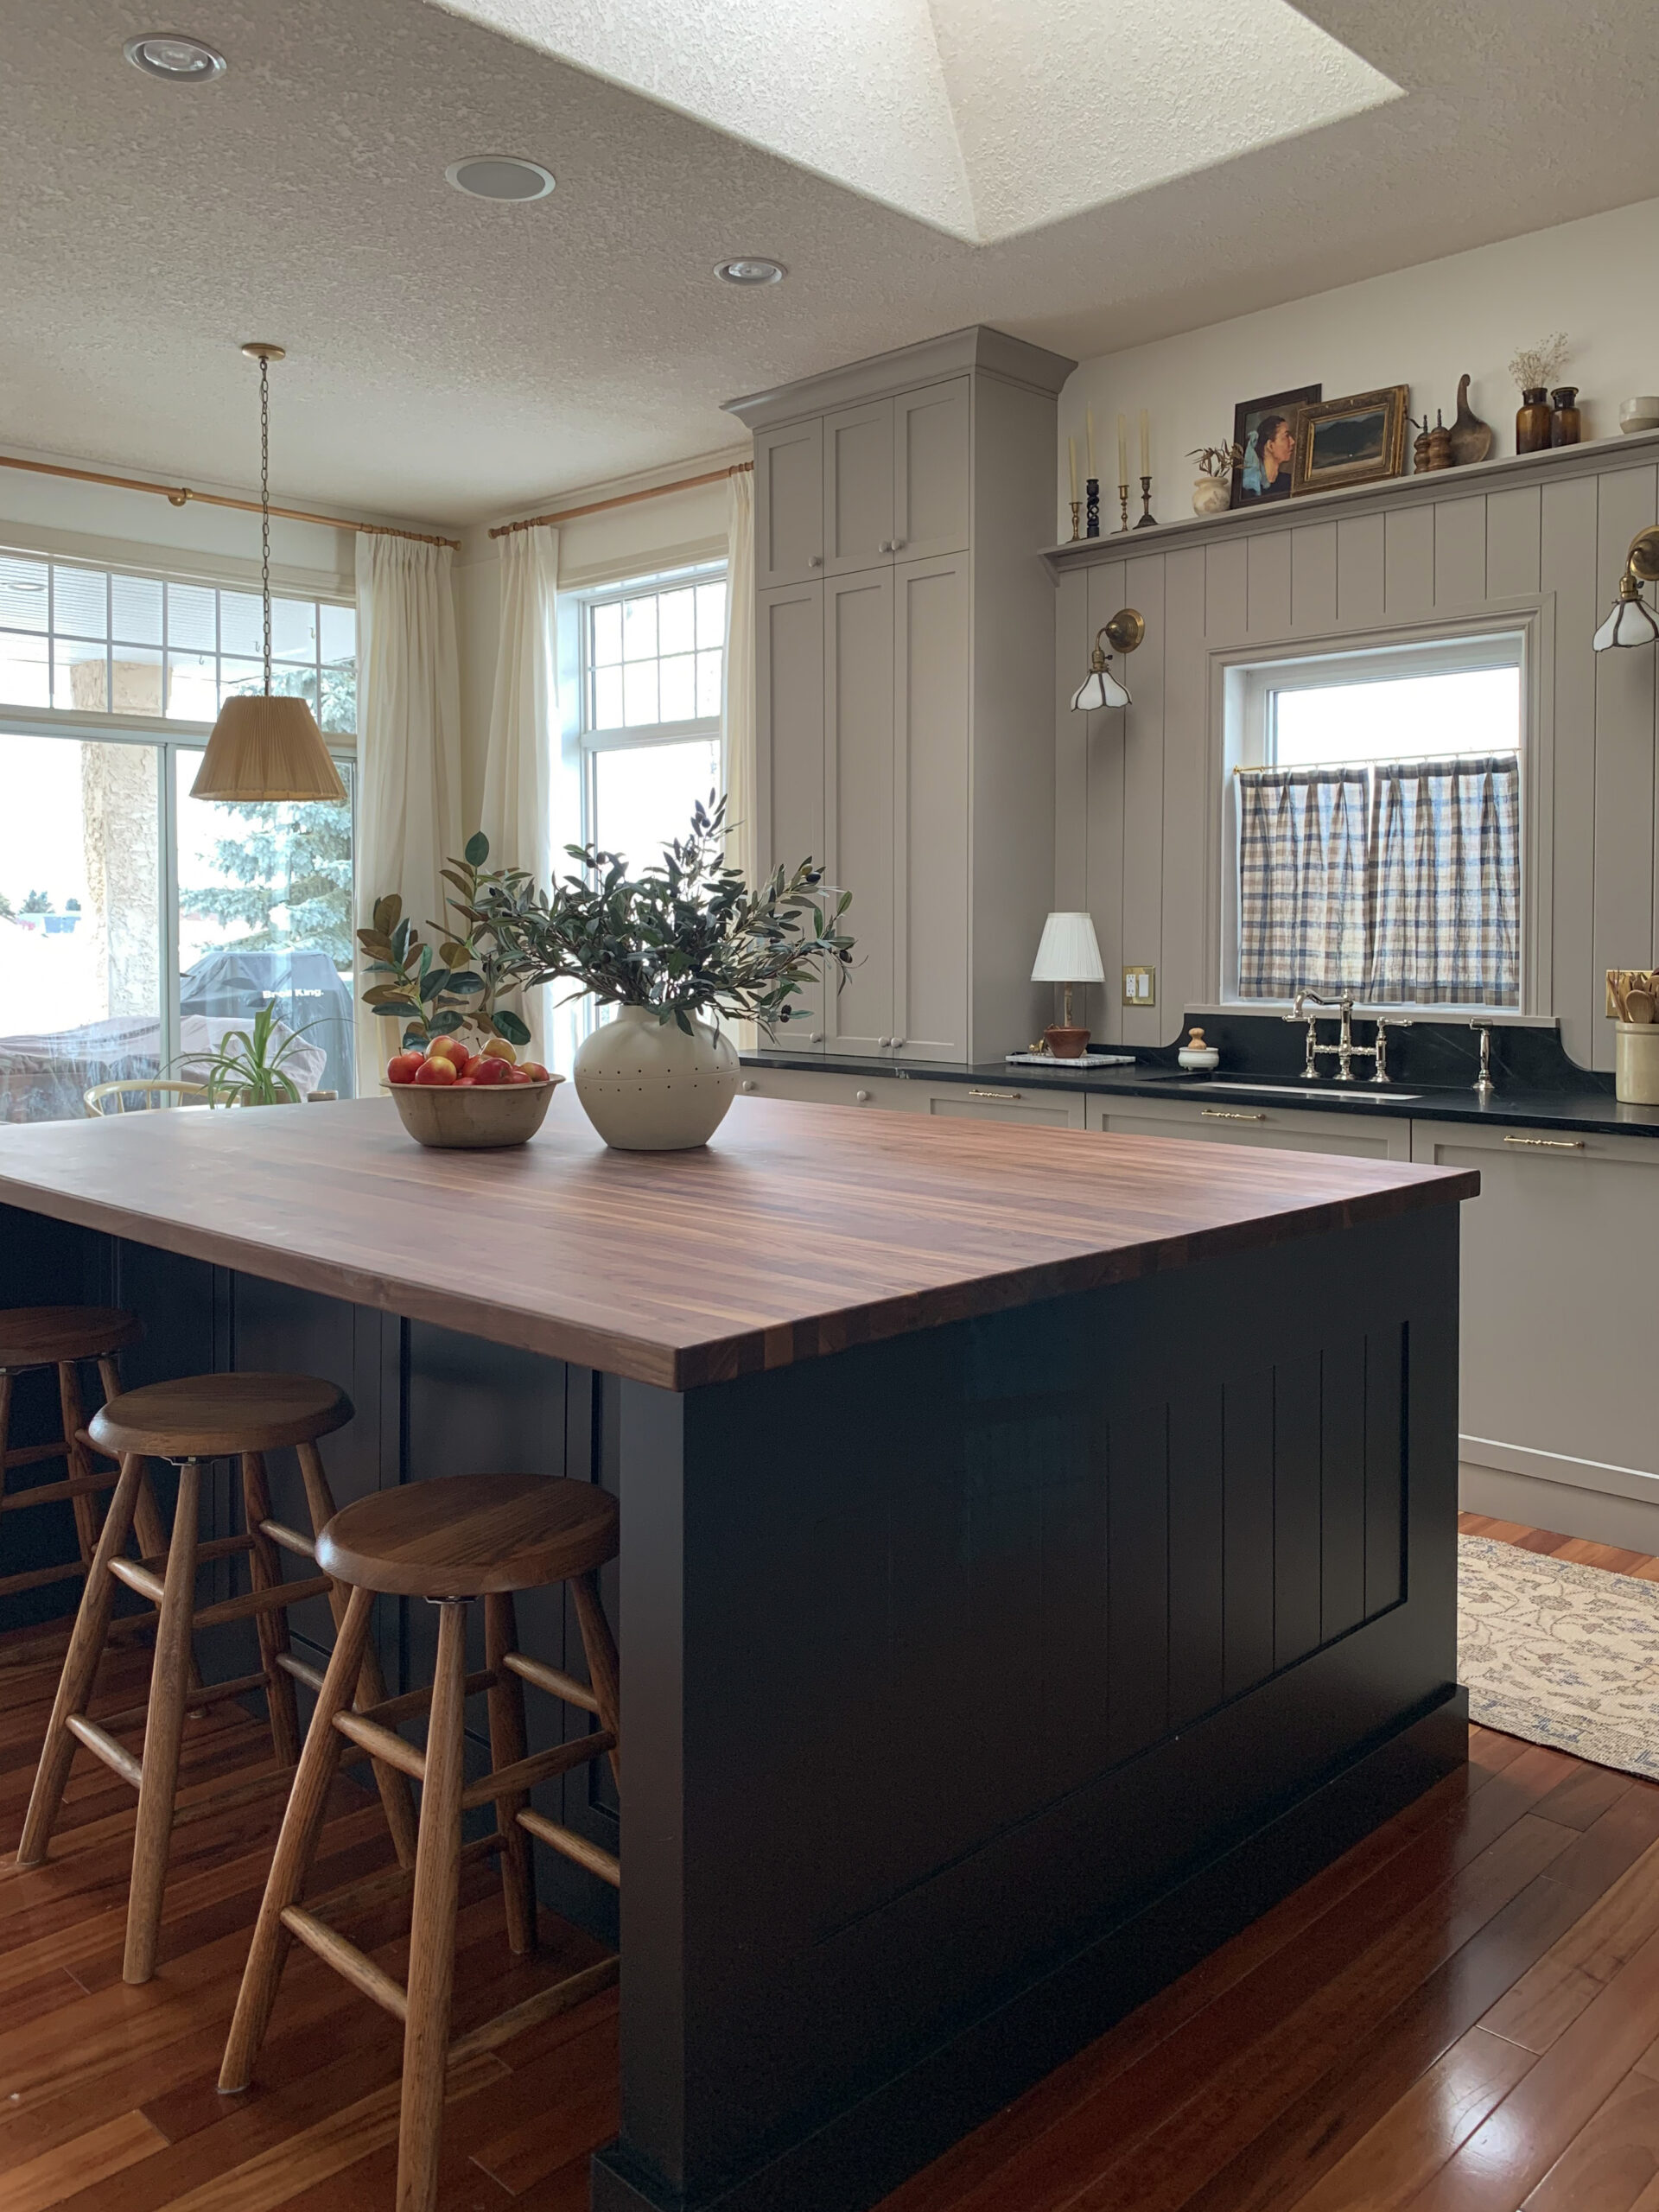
point(648, 1087)
point(1211, 495)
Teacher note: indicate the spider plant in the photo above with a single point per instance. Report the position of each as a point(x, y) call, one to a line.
point(246, 1067)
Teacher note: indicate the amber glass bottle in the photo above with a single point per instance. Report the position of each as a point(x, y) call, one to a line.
point(1566, 422)
point(1532, 421)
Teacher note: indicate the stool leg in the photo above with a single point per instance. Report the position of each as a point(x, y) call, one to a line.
point(265, 1571)
point(507, 1701)
point(78, 1464)
point(80, 1666)
point(394, 1794)
point(432, 1928)
point(169, 1686)
point(297, 1848)
point(603, 1671)
point(148, 1525)
point(5, 1424)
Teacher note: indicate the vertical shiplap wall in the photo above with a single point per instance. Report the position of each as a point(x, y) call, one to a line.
point(1135, 801)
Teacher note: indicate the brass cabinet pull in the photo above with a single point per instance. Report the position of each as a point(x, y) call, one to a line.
point(1227, 1114)
point(1002, 1098)
point(1549, 1144)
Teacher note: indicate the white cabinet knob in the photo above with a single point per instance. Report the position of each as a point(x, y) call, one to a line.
point(815, 1036)
point(814, 560)
point(748, 1086)
point(882, 1043)
point(862, 1097)
point(895, 1042)
point(897, 546)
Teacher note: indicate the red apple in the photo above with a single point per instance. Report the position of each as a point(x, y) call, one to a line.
point(452, 1049)
point(440, 1070)
point(520, 1075)
point(485, 1071)
point(534, 1069)
point(402, 1066)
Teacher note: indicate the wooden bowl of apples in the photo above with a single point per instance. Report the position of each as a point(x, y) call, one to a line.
point(459, 1101)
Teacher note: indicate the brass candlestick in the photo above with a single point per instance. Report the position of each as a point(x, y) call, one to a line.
point(1148, 520)
point(1076, 520)
point(1123, 505)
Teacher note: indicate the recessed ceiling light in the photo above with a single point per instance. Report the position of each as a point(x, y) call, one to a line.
point(750, 268)
point(501, 176)
point(181, 61)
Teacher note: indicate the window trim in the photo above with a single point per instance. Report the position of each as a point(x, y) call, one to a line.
point(1505, 636)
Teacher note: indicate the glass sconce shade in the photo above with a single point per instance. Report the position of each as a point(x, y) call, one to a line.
point(1100, 688)
point(1631, 623)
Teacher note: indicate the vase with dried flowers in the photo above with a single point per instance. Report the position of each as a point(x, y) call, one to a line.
point(1216, 464)
point(1534, 368)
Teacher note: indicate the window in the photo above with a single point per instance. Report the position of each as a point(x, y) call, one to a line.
point(1376, 820)
point(137, 924)
point(83, 641)
point(653, 654)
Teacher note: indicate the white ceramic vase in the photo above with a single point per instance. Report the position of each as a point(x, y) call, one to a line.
point(648, 1087)
point(1211, 495)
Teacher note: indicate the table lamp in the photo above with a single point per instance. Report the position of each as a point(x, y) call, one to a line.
point(1068, 954)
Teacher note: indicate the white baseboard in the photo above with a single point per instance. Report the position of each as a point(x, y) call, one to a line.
point(1557, 1467)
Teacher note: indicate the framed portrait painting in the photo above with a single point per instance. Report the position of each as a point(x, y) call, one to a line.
point(1361, 439)
point(1264, 431)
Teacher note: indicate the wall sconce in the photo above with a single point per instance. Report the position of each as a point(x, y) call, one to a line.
point(1100, 688)
point(1631, 622)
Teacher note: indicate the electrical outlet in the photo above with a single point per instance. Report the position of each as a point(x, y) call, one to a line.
point(1140, 987)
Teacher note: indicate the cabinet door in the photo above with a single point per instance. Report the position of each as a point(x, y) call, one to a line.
point(858, 800)
point(1052, 1109)
point(812, 1087)
point(932, 479)
point(789, 753)
point(789, 504)
point(1353, 1132)
point(1557, 1322)
point(932, 609)
point(858, 489)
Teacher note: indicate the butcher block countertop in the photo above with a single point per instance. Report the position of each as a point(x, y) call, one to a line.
point(798, 1231)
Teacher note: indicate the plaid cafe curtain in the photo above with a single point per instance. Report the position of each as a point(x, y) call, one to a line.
point(1443, 882)
point(1400, 882)
point(1301, 881)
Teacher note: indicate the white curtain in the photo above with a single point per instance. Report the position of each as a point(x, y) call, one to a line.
point(737, 718)
point(518, 810)
point(409, 747)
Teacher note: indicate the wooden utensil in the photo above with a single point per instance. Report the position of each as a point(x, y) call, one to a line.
point(1640, 1005)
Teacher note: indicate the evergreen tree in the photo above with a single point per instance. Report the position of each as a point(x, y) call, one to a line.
point(295, 855)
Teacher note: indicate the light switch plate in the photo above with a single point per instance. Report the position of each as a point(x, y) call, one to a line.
point(1140, 987)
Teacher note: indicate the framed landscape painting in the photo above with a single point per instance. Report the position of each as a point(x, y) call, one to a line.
point(1264, 431)
point(1356, 440)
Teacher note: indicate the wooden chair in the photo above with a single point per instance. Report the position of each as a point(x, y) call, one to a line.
point(111, 1097)
point(61, 1337)
point(449, 1540)
point(192, 1422)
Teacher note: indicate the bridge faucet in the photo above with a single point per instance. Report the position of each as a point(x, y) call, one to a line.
point(1345, 1052)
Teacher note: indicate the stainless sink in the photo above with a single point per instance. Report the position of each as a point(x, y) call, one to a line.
point(1349, 1094)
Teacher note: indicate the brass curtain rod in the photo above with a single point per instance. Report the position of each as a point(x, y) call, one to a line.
point(179, 495)
point(625, 499)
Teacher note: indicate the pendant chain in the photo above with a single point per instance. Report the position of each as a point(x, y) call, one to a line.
point(264, 507)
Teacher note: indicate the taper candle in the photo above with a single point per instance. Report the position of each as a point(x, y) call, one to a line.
point(1123, 450)
point(1089, 427)
point(1145, 444)
point(1072, 444)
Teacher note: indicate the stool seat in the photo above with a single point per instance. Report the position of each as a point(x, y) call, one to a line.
point(470, 1536)
point(45, 1336)
point(212, 1416)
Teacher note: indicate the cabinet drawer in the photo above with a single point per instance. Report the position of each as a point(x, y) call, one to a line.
point(1054, 1109)
point(1274, 1127)
point(826, 1090)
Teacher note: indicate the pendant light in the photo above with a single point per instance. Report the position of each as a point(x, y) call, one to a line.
point(266, 745)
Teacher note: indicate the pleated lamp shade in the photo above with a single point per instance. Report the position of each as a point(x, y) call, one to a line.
point(266, 746)
point(1069, 953)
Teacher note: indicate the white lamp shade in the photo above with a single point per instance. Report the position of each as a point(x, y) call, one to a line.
point(1631, 623)
point(1100, 688)
point(1069, 953)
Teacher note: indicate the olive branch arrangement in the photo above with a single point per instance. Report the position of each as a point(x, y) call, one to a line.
point(686, 937)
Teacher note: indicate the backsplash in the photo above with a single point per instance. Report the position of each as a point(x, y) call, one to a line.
point(1442, 1052)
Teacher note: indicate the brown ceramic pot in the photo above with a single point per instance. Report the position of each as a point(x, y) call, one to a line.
point(1066, 1044)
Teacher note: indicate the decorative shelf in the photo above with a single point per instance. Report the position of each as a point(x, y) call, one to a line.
point(1558, 461)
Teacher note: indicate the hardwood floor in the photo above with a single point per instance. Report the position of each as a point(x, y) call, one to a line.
point(1462, 2015)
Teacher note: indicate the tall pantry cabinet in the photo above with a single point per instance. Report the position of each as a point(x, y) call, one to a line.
point(904, 637)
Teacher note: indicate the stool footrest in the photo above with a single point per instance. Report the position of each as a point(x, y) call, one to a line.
point(390, 1710)
point(214, 1693)
point(136, 1576)
point(290, 1540)
point(263, 1601)
point(346, 1959)
point(382, 1743)
point(28, 1455)
point(36, 1578)
point(311, 1676)
point(389, 1883)
point(575, 1846)
point(553, 1680)
point(540, 1766)
point(99, 1741)
point(49, 1493)
point(562, 1997)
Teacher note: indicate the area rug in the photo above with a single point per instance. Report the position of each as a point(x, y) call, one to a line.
point(1560, 1654)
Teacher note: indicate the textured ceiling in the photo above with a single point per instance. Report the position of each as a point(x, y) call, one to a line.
point(452, 360)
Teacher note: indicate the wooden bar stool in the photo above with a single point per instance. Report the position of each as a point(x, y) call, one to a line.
point(449, 1540)
point(61, 1337)
point(191, 1421)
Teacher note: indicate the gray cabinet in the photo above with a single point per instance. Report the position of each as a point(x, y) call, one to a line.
point(1277, 1128)
point(919, 538)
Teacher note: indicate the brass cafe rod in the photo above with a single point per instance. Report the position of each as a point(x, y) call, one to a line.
point(623, 499)
point(180, 495)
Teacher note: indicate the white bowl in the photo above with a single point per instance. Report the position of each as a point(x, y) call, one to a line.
point(1639, 413)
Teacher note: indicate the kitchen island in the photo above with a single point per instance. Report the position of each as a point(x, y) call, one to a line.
point(1038, 1547)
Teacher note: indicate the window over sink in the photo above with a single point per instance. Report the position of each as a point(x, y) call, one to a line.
point(1374, 825)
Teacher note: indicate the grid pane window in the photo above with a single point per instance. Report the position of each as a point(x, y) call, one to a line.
point(84, 640)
